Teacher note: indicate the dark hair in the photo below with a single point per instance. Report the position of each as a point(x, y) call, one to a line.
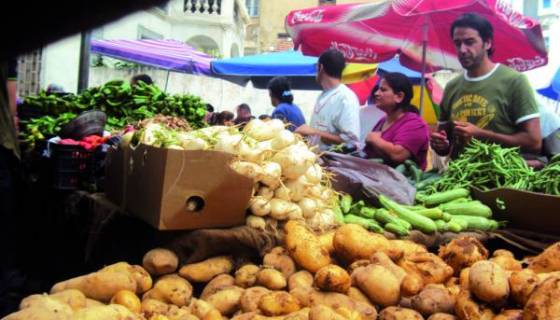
point(244, 107)
point(279, 87)
point(333, 63)
point(478, 23)
point(264, 117)
point(400, 83)
point(142, 77)
point(209, 108)
point(224, 116)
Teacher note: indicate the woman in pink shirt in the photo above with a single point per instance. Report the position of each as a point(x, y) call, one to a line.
point(402, 134)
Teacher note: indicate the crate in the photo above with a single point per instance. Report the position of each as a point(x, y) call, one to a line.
point(74, 167)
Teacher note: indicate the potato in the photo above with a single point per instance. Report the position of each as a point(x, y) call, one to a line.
point(182, 313)
point(300, 279)
point(246, 276)
point(411, 284)
point(544, 301)
point(433, 299)
point(158, 317)
point(200, 308)
point(309, 297)
point(506, 260)
point(171, 289)
point(326, 241)
point(150, 307)
point(112, 311)
point(382, 259)
point(442, 316)
point(100, 285)
point(93, 303)
point(348, 314)
point(302, 314)
point(127, 299)
point(547, 261)
point(463, 252)
point(251, 297)
point(304, 247)
point(427, 266)
point(321, 312)
point(271, 279)
point(467, 309)
point(160, 261)
point(464, 278)
point(352, 242)
point(332, 278)
point(357, 264)
point(357, 295)
point(278, 303)
point(397, 313)
point(141, 276)
point(205, 270)
point(522, 284)
point(227, 300)
point(280, 261)
point(489, 282)
point(510, 315)
point(42, 307)
point(378, 284)
point(72, 297)
point(219, 282)
point(453, 287)
point(399, 248)
point(213, 315)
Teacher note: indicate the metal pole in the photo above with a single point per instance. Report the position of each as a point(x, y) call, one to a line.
point(166, 81)
point(83, 72)
point(424, 49)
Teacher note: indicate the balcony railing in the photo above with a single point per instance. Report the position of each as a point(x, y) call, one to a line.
point(203, 7)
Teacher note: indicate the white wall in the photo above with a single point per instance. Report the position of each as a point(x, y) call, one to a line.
point(60, 63)
point(223, 95)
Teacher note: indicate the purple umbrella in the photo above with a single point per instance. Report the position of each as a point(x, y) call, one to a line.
point(165, 54)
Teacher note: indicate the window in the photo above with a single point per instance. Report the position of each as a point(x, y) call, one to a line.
point(145, 33)
point(252, 7)
point(546, 4)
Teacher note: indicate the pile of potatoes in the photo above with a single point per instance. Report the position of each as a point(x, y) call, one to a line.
point(349, 273)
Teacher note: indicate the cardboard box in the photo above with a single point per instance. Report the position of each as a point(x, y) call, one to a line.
point(177, 189)
point(523, 209)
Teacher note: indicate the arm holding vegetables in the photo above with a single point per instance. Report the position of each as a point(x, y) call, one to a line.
point(327, 137)
point(528, 137)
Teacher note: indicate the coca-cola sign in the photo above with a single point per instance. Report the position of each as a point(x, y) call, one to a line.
point(354, 53)
point(314, 16)
point(521, 64)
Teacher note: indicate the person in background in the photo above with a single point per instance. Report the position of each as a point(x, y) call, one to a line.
point(225, 118)
point(265, 117)
point(209, 113)
point(243, 115)
point(370, 115)
point(401, 134)
point(141, 77)
point(282, 99)
point(335, 119)
point(54, 88)
point(489, 102)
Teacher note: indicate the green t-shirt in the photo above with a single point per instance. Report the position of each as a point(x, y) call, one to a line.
point(498, 101)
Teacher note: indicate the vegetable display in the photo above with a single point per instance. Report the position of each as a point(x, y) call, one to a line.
point(124, 104)
point(366, 276)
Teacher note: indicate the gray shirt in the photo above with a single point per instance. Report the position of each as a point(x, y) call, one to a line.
point(337, 111)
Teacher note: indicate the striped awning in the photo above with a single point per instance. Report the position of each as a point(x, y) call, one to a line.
point(164, 54)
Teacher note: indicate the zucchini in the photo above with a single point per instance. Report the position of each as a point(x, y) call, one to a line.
point(418, 221)
point(432, 213)
point(367, 212)
point(384, 217)
point(453, 226)
point(446, 196)
point(346, 203)
point(478, 223)
point(396, 229)
point(366, 223)
point(441, 225)
point(471, 208)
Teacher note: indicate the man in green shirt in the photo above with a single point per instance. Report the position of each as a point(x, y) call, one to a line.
point(489, 101)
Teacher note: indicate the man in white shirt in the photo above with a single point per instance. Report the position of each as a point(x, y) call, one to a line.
point(335, 117)
point(370, 115)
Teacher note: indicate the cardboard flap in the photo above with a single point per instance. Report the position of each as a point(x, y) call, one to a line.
point(523, 209)
point(199, 187)
point(144, 183)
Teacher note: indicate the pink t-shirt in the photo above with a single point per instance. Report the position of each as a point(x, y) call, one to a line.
point(411, 132)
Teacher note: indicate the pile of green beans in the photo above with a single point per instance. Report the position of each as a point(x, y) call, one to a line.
point(488, 166)
point(548, 179)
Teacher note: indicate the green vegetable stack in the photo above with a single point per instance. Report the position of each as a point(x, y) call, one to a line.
point(123, 104)
point(489, 166)
point(449, 211)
